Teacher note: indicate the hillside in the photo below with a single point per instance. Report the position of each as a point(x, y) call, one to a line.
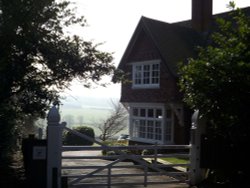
point(87, 111)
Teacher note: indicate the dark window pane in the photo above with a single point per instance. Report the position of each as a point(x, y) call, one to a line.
point(143, 112)
point(158, 113)
point(135, 112)
point(151, 113)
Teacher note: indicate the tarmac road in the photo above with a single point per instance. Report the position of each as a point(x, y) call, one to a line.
point(100, 162)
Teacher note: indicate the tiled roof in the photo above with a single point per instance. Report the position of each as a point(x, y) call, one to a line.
point(224, 15)
point(175, 43)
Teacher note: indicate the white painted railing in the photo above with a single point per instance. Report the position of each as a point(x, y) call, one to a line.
point(142, 161)
point(55, 149)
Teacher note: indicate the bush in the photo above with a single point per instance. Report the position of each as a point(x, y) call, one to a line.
point(118, 152)
point(148, 152)
point(110, 152)
point(72, 139)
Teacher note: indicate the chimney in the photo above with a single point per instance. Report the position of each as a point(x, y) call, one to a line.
point(202, 11)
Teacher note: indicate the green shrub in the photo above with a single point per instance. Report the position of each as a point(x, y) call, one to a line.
point(110, 152)
point(127, 151)
point(148, 152)
point(72, 139)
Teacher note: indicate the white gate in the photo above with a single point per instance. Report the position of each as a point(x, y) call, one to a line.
point(84, 175)
point(113, 172)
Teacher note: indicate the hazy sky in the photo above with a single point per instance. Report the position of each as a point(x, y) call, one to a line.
point(114, 21)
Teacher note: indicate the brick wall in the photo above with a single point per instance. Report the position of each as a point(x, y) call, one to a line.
point(143, 50)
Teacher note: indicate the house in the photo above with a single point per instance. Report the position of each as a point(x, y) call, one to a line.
point(157, 113)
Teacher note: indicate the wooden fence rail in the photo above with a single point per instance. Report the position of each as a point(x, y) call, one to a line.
point(148, 164)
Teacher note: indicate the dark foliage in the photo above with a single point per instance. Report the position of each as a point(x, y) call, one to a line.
point(38, 60)
point(72, 139)
point(217, 83)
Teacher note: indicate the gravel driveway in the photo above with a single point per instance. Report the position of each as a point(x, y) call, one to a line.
point(128, 180)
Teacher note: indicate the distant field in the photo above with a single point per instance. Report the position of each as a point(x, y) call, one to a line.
point(85, 116)
point(89, 115)
point(84, 111)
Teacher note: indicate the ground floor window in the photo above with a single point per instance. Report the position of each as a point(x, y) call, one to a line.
point(149, 123)
point(147, 129)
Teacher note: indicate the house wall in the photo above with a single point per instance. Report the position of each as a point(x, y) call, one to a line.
point(179, 132)
point(187, 116)
point(168, 92)
point(182, 132)
point(144, 50)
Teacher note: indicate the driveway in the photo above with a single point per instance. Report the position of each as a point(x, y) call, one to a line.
point(130, 181)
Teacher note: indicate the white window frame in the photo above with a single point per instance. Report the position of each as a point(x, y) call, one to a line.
point(140, 75)
point(134, 132)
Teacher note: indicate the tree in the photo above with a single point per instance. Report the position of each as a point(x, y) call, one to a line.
point(38, 60)
point(217, 83)
point(114, 123)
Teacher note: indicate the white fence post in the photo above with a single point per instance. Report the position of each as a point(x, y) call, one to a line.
point(54, 148)
point(197, 174)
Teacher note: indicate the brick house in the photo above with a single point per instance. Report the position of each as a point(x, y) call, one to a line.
point(157, 113)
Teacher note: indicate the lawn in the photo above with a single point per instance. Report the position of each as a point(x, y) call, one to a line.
point(176, 160)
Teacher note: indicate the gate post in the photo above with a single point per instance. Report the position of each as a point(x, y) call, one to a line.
point(197, 174)
point(54, 148)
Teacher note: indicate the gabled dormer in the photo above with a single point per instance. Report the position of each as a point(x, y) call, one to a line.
point(151, 59)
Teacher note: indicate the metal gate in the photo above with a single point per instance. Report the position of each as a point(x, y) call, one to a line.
point(126, 165)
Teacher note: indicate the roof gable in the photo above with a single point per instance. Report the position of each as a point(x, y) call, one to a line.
point(143, 49)
point(174, 43)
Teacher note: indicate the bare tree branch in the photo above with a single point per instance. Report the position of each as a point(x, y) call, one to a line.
point(115, 123)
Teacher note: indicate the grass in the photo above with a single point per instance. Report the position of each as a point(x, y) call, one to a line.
point(176, 160)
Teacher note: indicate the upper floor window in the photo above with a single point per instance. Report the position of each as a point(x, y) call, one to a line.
point(146, 74)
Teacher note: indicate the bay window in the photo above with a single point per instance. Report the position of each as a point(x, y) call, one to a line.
point(147, 123)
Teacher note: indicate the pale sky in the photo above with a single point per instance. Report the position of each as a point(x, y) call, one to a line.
point(114, 21)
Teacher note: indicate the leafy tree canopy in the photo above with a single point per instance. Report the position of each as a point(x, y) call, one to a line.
point(217, 82)
point(38, 59)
